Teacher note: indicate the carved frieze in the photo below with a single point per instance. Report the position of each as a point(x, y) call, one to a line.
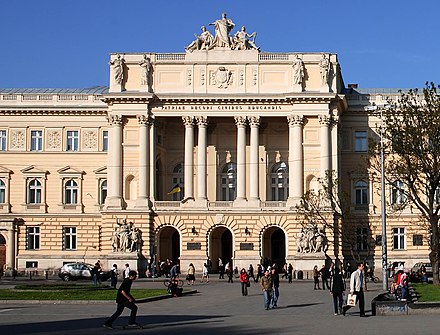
point(18, 139)
point(90, 140)
point(53, 139)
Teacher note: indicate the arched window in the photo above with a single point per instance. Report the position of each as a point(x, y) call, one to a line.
point(102, 192)
point(279, 182)
point(177, 180)
point(398, 196)
point(361, 192)
point(229, 182)
point(130, 188)
point(70, 192)
point(34, 192)
point(2, 192)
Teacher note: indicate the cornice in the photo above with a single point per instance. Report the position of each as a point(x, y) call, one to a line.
point(52, 111)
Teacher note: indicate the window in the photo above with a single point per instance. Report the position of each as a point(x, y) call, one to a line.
point(105, 140)
point(279, 182)
point(360, 141)
point(33, 238)
point(69, 238)
point(362, 239)
point(72, 140)
point(398, 238)
point(2, 192)
point(361, 192)
point(36, 140)
point(2, 140)
point(398, 196)
point(31, 264)
point(177, 179)
point(417, 240)
point(229, 182)
point(34, 192)
point(103, 192)
point(70, 192)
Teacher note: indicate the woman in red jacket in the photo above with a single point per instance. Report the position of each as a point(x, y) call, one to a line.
point(244, 280)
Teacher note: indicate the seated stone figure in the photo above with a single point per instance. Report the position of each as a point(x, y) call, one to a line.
point(242, 40)
point(203, 42)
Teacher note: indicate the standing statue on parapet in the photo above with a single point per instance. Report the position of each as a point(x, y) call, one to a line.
point(222, 29)
point(243, 41)
point(298, 71)
point(324, 69)
point(146, 71)
point(118, 69)
point(203, 42)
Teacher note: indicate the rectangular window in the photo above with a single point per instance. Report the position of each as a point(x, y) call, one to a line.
point(33, 238)
point(399, 238)
point(105, 140)
point(72, 140)
point(417, 240)
point(360, 141)
point(36, 140)
point(69, 238)
point(362, 239)
point(2, 140)
point(31, 264)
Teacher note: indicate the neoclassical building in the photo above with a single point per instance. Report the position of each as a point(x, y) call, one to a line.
point(185, 156)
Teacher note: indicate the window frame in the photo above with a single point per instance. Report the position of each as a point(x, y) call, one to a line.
point(361, 193)
point(72, 140)
point(399, 238)
point(105, 141)
point(279, 181)
point(34, 191)
point(360, 142)
point(36, 140)
point(362, 243)
point(3, 140)
point(228, 189)
point(70, 192)
point(398, 194)
point(33, 238)
point(70, 235)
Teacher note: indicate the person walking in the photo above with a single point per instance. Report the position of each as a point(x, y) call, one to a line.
point(191, 274)
point(229, 272)
point(251, 272)
point(114, 275)
point(337, 288)
point(125, 300)
point(127, 270)
point(221, 269)
point(95, 274)
point(316, 277)
point(276, 287)
point(289, 272)
point(259, 272)
point(266, 284)
point(324, 277)
point(244, 280)
point(205, 273)
point(356, 281)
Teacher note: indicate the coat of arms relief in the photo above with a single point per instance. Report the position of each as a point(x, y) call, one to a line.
point(222, 78)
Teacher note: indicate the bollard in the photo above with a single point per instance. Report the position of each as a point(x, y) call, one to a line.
point(46, 274)
point(30, 275)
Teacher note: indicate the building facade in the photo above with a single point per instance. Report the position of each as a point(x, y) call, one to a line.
point(186, 156)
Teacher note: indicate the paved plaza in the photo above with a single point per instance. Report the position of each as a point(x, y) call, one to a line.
point(218, 308)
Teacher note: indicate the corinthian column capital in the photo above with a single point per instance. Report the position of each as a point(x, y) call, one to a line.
point(202, 121)
point(144, 120)
point(188, 121)
point(324, 120)
point(254, 121)
point(114, 120)
point(295, 120)
point(240, 121)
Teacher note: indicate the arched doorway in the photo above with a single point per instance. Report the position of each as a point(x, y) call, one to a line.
point(168, 244)
point(2, 253)
point(274, 246)
point(220, 246)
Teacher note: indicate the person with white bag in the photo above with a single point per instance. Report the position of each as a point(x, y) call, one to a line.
point(356, 283)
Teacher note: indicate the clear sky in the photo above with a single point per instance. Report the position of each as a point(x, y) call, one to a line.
point(66, 44)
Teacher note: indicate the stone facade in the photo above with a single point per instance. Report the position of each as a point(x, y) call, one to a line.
point(206, 153)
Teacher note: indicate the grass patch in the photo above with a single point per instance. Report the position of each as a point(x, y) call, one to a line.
point(427, 292)
point(71, 292)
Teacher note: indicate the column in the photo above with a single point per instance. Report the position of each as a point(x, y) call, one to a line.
point(114, 166)
point(254, 186)
point(188, 121)
point(296, 159)
point(10, 252)
point(202, 123)
point(240, 121)
point(153, 160)
point(144, 165)
point(325, 121)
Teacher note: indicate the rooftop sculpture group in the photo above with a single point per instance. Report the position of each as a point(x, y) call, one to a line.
point(241, 40)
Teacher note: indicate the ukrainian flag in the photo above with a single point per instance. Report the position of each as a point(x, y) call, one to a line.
point(175, 189)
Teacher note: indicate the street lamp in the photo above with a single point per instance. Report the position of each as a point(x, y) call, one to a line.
point(383, 198)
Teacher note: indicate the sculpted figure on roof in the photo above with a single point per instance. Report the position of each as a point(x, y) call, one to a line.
point(298, 71)
point(118, 69)
point(203, 42)
point(245, 41)
point(324, 68)
point(146, 67)
point(222, 29)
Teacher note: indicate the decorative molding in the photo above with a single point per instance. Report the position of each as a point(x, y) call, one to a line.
point(295, 120)
point(18, 139)
point(53, 139)
point(90, 139)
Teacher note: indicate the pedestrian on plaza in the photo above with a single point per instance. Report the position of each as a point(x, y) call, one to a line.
point(330, 274)
point(114, 275)
point(266, 284)
point(229, 272)
point(316, 275)
point(125, 299)
point(127, 270)
point(356, 282)
point(276, 287)
point(337, 288)
point(289, 272)
point(244, 280)
point(209, 264)
point(284, 271)
point(259, 272)
point(205, 273)
point(175, 271)
point(324, 277)
point(191, 274)
point(221, 269)
point(95, 274)
point(251, 272)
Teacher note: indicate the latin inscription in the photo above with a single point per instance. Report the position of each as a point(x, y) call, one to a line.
point(246, 246)
point(193, 246)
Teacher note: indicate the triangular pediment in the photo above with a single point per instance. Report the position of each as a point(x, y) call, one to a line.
point(32, 169)
point(102, 170)
point(69, 170)
point(4, 170)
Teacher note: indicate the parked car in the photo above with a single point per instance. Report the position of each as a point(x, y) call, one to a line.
point(428, 268)
point(75, 271)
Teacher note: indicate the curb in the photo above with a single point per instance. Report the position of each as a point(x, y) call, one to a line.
point(85, 302)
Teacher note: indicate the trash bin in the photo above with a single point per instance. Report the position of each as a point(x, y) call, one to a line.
point(300, 275)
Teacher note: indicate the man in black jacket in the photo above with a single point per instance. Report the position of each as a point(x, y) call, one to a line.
point(125, 299)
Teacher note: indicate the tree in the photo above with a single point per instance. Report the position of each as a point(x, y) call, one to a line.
point(411, 140)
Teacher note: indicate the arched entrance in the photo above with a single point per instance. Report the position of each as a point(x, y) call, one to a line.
point(220, 246)
point(168, 244)
point(2, 253)
point(274, 246)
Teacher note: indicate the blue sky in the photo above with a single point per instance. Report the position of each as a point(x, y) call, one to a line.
point(66, 44)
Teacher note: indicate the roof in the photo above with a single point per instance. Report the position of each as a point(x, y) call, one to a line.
point(88, 90)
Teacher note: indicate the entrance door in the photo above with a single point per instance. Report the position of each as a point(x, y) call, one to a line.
point(168, 244)
point(274, 246)
point(220, 246)
point(2, 254)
